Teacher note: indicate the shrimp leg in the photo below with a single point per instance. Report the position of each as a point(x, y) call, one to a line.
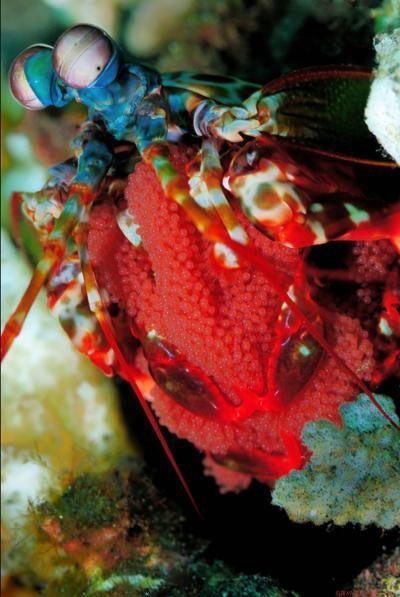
point(93, 163)
point(176, 188)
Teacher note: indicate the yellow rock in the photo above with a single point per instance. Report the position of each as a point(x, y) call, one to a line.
point(55, 402)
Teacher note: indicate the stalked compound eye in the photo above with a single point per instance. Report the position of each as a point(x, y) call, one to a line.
point(84, 55)
point(30, 77)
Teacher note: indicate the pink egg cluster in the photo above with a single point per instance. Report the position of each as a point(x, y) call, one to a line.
point(224, 323)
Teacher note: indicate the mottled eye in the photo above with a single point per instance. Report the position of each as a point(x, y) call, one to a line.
point(81, 54)
point(20, 85)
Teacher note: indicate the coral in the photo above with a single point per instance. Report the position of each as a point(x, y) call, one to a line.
point(91, 501)
point(354, 472)
point(382, 578)
point(382, 113)
point(217, 579)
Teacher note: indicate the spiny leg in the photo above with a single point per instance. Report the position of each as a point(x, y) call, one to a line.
point(303, 200)
point(151, 140)
point(16, 201)
point(269, 199)
point(376, 227)
point(43, 207)
point(212, 120)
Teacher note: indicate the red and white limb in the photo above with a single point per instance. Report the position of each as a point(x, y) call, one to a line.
point(205, 181)
point(54, 250)
point(67, 300)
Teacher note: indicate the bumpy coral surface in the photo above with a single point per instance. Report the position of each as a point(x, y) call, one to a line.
point(354, 473)
point(222, 325)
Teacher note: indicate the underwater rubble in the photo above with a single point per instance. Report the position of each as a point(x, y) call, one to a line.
point(354, 472)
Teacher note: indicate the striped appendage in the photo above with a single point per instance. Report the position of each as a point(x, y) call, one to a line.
point(301, 198)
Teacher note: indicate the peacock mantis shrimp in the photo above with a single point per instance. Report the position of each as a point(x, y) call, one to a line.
point(277, 160)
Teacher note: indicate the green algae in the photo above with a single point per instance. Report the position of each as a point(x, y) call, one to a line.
point(91, 501)
point(152, 553)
